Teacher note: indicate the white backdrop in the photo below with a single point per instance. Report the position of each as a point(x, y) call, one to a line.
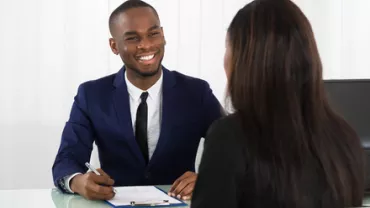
point(48, 47)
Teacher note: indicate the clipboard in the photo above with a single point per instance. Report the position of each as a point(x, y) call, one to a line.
point(166, 202)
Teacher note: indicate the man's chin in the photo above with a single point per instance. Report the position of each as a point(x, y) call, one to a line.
point(147, 72)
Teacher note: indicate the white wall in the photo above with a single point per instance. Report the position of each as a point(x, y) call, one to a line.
point(48, 47)
point(342, 32)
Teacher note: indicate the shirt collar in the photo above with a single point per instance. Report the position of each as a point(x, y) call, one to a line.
point(153, 91)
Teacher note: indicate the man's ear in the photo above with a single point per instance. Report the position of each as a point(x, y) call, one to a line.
point(163, 36)
point(113, 46)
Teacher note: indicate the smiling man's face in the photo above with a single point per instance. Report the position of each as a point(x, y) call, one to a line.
point(138, 38)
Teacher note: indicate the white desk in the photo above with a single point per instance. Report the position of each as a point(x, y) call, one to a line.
point(53, 198)
point(48, 198)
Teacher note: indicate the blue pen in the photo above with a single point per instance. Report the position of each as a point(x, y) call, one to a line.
point(96, 172)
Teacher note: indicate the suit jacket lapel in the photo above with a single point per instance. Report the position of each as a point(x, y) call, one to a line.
point(122, 107)
point(168, 112)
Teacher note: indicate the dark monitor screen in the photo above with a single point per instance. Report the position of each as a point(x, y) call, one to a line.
point(351, 99)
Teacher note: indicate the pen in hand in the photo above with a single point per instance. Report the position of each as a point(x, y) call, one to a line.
point(96, 172)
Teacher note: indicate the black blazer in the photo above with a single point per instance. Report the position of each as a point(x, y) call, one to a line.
point(228, 177)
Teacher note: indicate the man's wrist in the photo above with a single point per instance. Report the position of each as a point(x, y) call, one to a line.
point(68, 182)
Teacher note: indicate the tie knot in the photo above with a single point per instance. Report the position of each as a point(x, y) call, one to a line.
point(144, 96)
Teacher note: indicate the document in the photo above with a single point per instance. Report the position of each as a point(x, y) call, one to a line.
point(142, 195)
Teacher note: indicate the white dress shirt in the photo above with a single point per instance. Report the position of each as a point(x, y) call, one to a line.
point(154, 102)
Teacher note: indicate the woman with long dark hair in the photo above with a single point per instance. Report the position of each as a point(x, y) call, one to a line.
point(283, 146)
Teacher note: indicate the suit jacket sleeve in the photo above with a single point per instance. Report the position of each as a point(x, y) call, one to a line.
point(76, 142)
point(221, 169)
point(211, 108)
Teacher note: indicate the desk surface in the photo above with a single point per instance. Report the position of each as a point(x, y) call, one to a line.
point(49, 198)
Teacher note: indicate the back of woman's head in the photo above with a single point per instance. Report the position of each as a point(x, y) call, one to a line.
point(274, 59)
point(276, 88)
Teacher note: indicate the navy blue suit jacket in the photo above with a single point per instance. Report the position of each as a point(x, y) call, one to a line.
point(101, 113)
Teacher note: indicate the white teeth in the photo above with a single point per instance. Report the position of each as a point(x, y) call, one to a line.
point(146, 58)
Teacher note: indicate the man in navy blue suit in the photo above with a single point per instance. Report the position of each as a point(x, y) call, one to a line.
point(146, 121)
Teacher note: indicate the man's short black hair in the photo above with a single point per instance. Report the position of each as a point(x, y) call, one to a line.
point(129, 4)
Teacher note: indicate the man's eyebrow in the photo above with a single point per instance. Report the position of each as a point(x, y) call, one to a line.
point(154, 27)
point(128, 33)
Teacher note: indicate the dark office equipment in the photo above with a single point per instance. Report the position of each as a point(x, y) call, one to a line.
point(351, 99)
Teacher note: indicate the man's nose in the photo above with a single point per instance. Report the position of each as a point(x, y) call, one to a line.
point(145, 43)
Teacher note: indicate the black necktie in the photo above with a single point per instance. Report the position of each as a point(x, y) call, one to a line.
point(142, 126)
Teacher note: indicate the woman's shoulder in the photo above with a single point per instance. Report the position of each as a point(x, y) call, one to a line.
point(229, 120)
point(227, 138)
point(230, 124)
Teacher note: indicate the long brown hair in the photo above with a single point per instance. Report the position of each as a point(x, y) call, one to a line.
point(276, 89)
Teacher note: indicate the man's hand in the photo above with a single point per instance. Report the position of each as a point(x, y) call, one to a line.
point(183, 187)
point(92, 186)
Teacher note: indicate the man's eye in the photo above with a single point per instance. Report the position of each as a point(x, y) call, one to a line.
point(132, 38)
point(154, 34)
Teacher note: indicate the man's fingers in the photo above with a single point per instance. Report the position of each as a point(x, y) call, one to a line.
point(184, 183)
point(107, 196)
point(109, 181)
point(175, 184)
point(187, 191)
point(102, 179)
point(188, 197)
point(98, 189)
point(104, 190)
